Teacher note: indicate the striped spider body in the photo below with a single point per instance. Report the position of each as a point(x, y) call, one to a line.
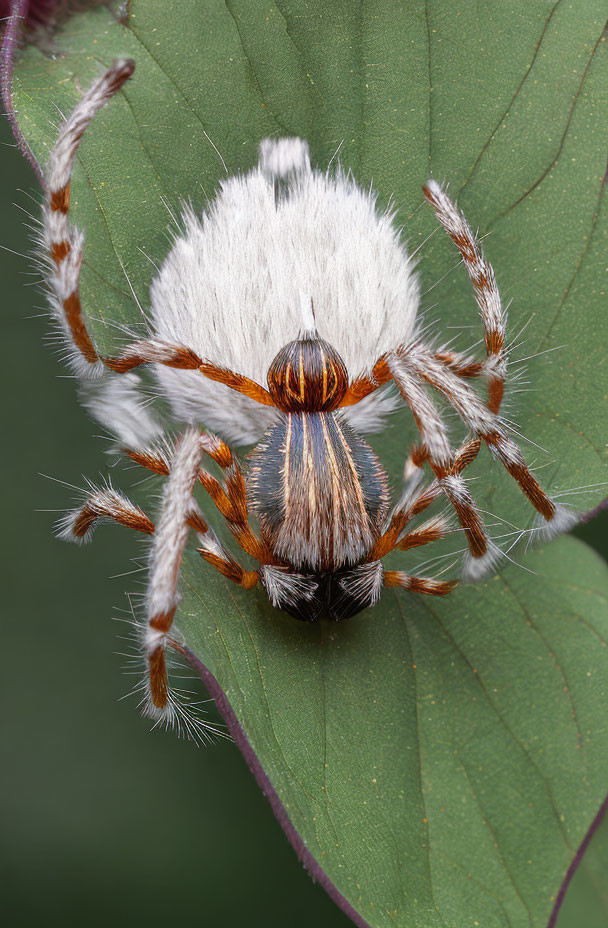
point(319, 492)
point(279, 318)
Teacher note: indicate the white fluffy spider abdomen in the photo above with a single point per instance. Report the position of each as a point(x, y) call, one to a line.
point(237, 285)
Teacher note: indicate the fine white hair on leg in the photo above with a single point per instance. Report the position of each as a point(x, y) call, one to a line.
point(172, 528)
point(436, 445)
point(117, 404)
point(59, 166)
point(414, 491)
point(459, 495)
point(475, 568)
point(63, 281)
point(179, 513)
point(415, 499)
point(63, 242)
point(485, 288)
point(418, 584)
point(166, 554)
point(429, 423)
point(411, 469)
point(281, 157)
point(469, 406)
point(431, 530)
point(487, 296)
point(211, 550)
point(488, 427)
point(102, 504)
point(563, 520)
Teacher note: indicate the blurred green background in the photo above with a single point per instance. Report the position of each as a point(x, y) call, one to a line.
point(103, 821)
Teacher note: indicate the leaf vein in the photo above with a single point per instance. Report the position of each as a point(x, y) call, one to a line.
point(513, 98)
point(564, 136)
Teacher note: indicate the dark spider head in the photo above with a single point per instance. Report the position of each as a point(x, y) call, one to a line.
point(307, 375)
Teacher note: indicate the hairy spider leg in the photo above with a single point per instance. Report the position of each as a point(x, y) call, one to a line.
point(434, 447)
point(65, 244)
point(230, 498)
point(418, 584)
point(414, 501)
point(445, 370)
point(179, 514)
point(442, 460)
point(487, 297)
point(103, 504)
point(484, 424)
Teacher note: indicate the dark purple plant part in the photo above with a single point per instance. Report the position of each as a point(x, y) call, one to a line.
point(34, 22)
point(42, 16)
point(576, 861)
point(12, 35)
point(307, 860)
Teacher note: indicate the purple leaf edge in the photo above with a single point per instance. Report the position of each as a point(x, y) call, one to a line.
point(574, 865)
point(18, 14)
point(309, 863)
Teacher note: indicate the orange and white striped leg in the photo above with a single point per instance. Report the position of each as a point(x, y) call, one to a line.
point(493, 317)
point(489, 428)
point(418, 584)
point(447, 467)
point(487, 296)
point(178, 515)
point(118, 406)
point(464, 366)
point(230, 499)
point(64, 242)
point(415, 500)
point(431, 530)
point(103, 504)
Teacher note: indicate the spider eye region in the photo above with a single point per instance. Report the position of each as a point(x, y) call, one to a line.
point(307, 375)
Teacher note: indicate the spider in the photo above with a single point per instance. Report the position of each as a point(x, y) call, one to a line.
point(293, 278)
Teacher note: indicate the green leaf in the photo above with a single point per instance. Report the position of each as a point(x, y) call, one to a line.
point(586, 901)
point(441, 761)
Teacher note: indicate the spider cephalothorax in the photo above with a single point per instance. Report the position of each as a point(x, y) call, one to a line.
point(295, 280)
point(307, 375)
